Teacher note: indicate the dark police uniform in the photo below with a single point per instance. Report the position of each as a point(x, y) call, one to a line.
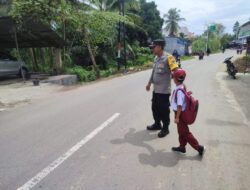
point(161, 79)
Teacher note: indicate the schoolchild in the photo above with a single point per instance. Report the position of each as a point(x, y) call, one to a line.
point(178, 104)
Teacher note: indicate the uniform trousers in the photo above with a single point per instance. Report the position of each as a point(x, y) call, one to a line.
point(185, 136)
point(160, 108)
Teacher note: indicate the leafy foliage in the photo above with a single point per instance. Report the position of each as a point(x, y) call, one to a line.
point(225, 39)
point(82, 74)
point(101, 26)
point(152, 22)
point(236, 28)
point(198, 45)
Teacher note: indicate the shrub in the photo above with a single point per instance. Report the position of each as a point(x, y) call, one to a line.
point(108, 72)
point(82, 74)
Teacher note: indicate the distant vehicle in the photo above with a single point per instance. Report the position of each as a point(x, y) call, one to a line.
point(201, 55)
point(177, 57)
point(11, 66)
point(233, 45)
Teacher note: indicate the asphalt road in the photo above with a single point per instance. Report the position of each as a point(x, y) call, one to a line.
point(94, 137)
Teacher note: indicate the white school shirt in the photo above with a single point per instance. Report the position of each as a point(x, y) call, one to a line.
point(181, 101)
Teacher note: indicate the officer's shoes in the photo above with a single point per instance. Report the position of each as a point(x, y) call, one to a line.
point(201, 150)
point(179, 149)
point(163, 133)
point(154, 127)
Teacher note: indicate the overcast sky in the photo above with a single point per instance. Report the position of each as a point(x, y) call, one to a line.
point(198, 13)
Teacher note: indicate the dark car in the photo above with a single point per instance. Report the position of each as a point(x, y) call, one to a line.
point(11, 66)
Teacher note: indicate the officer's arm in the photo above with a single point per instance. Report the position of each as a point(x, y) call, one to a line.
point(172, 63)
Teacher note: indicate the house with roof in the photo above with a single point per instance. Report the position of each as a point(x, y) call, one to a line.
point(244, 32)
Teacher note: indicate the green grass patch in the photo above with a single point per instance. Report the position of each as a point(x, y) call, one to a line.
point(185, 58)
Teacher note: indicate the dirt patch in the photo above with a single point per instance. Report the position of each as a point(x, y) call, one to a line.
point(243, 64)
point(14, 93)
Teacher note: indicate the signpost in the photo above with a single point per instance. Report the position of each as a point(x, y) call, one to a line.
point(210, 28)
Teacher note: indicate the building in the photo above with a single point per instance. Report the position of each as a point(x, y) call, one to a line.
point(244, 32)
point(180, 44)
point(172, 43)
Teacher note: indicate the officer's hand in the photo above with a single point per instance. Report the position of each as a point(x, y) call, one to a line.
point(148, 87)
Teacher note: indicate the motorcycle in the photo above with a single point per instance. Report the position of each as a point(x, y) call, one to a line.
point(201, 55)
point(231, 70)
point(178, 60)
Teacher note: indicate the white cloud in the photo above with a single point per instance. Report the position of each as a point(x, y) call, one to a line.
point(198, 13)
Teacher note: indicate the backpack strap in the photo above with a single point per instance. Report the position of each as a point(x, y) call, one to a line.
point(180, 89)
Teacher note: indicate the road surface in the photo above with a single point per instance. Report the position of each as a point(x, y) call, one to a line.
point(94, 138)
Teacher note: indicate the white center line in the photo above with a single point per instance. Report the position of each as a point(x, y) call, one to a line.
point(46, 171)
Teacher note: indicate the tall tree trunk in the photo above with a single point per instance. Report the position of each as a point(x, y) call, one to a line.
point(64, 38)
point(51, 60)
point(58, 62)
point(92, 56)
point(42, 56)
point(33, 59)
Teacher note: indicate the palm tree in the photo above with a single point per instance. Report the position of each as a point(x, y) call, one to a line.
point(172, 19)
point(101, 5)
point(111, 5)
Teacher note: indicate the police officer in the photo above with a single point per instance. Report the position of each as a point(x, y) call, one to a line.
point(161, 79)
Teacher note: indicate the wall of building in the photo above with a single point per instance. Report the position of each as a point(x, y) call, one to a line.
point(244, 31)
point(173, 43)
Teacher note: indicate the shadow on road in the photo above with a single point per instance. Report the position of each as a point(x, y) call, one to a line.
point(154, 157)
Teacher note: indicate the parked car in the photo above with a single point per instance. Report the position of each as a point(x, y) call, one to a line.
point(11, 66)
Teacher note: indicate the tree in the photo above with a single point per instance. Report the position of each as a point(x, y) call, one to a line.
point(220, 28)
point(225, 39)
point(182, 35)
point(214, 42)
point(102, 5)
point(98, 27)
point(236, 28)
point(151, 22)
point(103, 14)
point(172, 19)
point(198, 45)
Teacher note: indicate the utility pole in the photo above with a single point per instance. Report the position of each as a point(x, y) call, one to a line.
point(121, 34)
point(124, 39)
point(119, 39)
point(207, 37)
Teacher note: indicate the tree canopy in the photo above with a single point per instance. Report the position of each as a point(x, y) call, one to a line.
point(172, 19)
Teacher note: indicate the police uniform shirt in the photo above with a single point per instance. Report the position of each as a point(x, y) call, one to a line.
point(161, 73)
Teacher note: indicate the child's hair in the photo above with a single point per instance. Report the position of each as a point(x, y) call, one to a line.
point(180, 81)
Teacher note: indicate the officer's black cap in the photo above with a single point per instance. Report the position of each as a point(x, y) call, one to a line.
point(158, 42)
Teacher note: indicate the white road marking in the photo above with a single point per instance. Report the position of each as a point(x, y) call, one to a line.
point(46, 171)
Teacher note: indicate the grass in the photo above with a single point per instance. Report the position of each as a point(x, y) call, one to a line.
point(242, 64)
point(185, 58)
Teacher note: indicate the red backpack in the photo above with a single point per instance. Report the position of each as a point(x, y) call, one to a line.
point(192, 105)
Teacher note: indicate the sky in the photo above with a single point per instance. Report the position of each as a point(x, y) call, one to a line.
point(199, 13)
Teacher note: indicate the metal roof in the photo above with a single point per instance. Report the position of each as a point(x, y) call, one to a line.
point(32, 34)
